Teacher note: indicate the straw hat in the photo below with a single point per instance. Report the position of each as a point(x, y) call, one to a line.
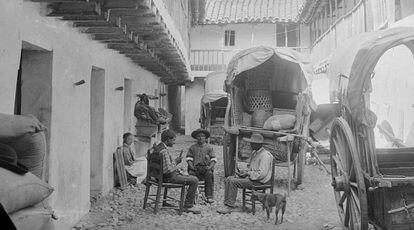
point(255, 138)
point(197, 131)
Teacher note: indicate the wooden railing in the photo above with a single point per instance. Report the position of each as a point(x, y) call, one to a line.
point(217, 60)
point(352, 23)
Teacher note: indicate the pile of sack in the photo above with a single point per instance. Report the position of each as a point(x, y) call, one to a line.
point(22, 172)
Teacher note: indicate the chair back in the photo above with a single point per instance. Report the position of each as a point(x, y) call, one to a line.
point(154, 166)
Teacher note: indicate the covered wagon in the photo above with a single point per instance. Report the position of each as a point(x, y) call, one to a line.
point(262, 83)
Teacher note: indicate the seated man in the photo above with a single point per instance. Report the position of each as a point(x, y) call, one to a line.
point(172, 173)
point(129, 159)
point(201, 160)
point(259, 172)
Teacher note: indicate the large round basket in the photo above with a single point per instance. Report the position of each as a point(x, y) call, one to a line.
point(260, 100)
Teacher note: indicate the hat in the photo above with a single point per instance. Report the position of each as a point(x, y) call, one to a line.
point(197, 131)
point(255, 138)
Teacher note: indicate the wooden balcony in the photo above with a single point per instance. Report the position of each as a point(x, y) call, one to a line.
point(142, 30)
point(210, 60)
point(354, 22)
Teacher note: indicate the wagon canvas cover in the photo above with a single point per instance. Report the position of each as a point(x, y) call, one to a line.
point(253, 57)
point(352, 65)
point(213, 89)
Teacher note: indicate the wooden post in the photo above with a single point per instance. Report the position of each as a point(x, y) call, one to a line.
point(237, 152)
point(288, 139)
point(288, 157)
point(330, 12)
point(336, 10)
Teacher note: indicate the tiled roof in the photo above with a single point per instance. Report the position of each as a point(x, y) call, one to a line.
point(244, 11)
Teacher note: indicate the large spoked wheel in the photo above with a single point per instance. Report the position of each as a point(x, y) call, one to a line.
point(347, 177)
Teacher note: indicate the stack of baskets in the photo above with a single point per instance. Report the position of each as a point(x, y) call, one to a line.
point(260, 100)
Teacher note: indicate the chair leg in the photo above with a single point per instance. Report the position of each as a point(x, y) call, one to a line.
point(244, 199)
point(180, 210)
point(147, 189)
point(164, 200)
point(157, 199)
point(253, 205)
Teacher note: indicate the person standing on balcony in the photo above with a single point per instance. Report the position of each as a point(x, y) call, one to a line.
point(201, 160)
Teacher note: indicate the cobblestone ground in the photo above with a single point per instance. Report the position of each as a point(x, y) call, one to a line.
point(310, 206)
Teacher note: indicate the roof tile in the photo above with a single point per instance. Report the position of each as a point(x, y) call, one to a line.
point(237, 11)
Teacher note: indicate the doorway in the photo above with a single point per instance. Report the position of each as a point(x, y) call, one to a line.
point(97, 107)
point(34, 90)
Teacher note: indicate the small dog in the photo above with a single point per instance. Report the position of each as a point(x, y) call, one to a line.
point(271, 200)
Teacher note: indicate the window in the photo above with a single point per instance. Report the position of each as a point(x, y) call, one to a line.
point(229, 37)
point(286, 35)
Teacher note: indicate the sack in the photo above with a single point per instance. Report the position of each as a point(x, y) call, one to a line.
point(21, 191)
point(259, 117)
point(8, 154)
point(145, 112)
point(280, 122)
point(33, 218)
point(12, 126)
point(31, 151)
point(247, 119)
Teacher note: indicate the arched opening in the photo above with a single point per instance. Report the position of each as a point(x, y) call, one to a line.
point(392, 98)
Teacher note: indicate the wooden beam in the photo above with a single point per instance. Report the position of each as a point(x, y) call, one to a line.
point(142, 20)
point(91, 24)
point(106, 36)
point(116, 12)
point(65, 1)
point(138, 4)
point(72, 17)
point(100, 30)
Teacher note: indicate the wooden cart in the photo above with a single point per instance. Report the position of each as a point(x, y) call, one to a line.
point(371, 185)
point(267, 80)
point(213, 105)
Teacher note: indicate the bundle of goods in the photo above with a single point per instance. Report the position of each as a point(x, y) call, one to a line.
point(146, 113)
point(164, 116)
point(280, 122)
point(22, 157)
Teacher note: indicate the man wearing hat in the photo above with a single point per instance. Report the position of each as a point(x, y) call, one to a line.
point(259, 172)
point(201, 160)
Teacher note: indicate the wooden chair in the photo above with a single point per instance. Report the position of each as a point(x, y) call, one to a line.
point(200, 191)
point(155, 177)
point(247, 192)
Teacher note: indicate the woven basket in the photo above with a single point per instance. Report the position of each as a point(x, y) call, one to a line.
point(260, 100)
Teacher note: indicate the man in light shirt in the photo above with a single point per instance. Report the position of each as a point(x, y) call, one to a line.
point(259, 172)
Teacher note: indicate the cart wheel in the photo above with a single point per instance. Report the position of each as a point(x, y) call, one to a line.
point(347, 178)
